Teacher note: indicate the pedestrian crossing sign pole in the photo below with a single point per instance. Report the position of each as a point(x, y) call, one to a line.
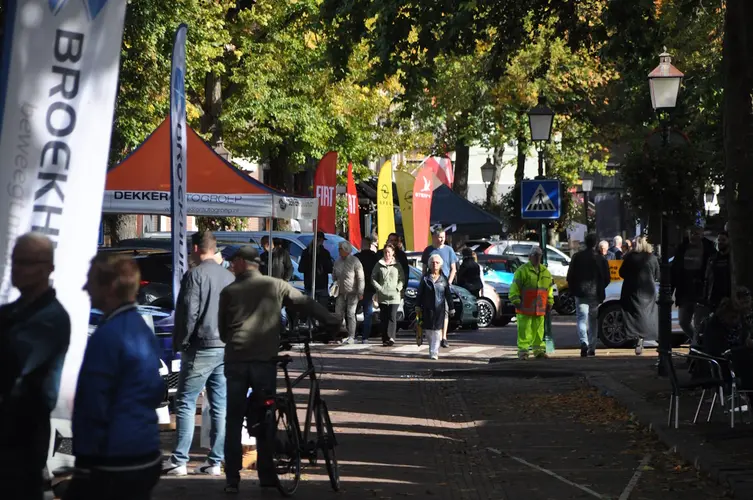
point(540, 200)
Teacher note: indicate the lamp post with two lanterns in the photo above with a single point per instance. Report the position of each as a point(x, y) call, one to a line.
point(664, 84)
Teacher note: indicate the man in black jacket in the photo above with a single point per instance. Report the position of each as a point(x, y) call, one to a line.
point(688, 277)
point(324, 264)
point(196, 336)
point(34, 335)
point(587, 279)
point(282, 267)
point(719, 273)
point(368, 260)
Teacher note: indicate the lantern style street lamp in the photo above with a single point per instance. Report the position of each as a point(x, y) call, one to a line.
point(664, 83)
point(540, 120)
point(221, 150)
point(586, 186)
point(487, 171)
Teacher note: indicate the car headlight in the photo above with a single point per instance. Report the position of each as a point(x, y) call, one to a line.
point(411, 293)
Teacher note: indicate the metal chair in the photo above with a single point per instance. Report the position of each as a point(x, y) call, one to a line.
point(741, 371)
point(711, 382)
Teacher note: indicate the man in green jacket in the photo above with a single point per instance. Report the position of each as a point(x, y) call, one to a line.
point(532, 294)
point(249, 324)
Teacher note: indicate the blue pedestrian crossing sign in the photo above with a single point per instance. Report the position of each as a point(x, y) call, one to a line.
point(540, 199)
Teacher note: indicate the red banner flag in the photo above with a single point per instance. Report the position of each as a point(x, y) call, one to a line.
point(423, 190)
point(442, 168)
point(354, 213)
point(325, 182)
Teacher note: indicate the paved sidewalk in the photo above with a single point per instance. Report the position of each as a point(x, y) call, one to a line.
point(716, 451)
point(395, 440)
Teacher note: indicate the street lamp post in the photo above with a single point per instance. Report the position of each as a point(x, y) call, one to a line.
point(540, 120)
point(587, 186)
point(487, 172)
point(664, 83)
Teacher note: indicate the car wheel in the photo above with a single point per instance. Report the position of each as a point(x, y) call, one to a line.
point(612, 327)
point(486, 312)
point(565, 304)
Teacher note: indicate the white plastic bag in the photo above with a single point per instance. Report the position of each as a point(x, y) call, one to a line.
point(206, 426)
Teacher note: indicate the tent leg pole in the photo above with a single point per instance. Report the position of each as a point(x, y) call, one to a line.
point(271, 246)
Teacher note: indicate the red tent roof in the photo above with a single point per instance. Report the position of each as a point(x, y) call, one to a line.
point(147, 168)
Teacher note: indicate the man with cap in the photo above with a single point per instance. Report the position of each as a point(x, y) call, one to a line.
point(249, 324)
point(324, 265)
point(532, 294)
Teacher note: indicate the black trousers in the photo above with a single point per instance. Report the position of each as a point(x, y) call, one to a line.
point(114, 485)
point(388, 320)
point(23, 455)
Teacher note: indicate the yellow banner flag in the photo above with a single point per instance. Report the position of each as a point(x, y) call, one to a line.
point(404, 182)
point(385, 204)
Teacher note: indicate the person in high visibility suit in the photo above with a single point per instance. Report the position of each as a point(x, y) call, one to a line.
point(532, 294)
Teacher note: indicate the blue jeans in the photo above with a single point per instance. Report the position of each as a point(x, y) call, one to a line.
point(200, 368)
point(587, 317)
point(368, 313)
point(261, 378)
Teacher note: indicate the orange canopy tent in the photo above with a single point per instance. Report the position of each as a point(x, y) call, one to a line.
point(140, 184)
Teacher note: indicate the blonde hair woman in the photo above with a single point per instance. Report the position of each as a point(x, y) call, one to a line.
point(433, 303)
point(640, 272)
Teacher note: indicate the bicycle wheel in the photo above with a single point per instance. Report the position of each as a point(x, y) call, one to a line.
point(327, 443)
point(287, 449)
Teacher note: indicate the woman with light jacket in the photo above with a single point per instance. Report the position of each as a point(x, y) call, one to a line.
point(388, 280)
point(433, 302)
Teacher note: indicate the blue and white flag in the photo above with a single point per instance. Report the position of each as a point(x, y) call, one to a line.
point(178, 158)
point(58, 82)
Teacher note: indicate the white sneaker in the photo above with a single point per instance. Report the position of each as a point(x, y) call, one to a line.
point(170, 468)
point(434, 356)
point(208, 469)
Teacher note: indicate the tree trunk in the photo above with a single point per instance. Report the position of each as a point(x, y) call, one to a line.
point(120, 227)
point(462, 156)
point(520, 168)
point(738, 133)
point(279, 174)
point(492, 191)
point(210, 120)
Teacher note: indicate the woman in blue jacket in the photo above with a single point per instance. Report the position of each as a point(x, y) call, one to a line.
point(115, 429)
point(433, 303)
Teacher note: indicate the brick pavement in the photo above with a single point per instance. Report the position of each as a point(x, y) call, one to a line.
point(561, 424)
point(397, 438)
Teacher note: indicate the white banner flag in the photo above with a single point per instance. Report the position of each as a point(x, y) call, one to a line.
point(178, 157)
point(58, 81)
point(292, 207)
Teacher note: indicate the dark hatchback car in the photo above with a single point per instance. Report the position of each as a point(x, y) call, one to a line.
point(156, 268)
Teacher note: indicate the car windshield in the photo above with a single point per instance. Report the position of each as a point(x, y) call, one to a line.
point(414, 273)
point(330, 243)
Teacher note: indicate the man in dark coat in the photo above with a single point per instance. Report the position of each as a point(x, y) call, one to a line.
point(368, 260)
point(688, 277)
point(587, 278)
point(34, 335)
point(324, 264)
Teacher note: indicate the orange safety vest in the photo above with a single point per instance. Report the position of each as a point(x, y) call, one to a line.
point(533, 302)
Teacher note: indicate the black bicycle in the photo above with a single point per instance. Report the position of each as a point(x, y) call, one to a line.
point(293, 443)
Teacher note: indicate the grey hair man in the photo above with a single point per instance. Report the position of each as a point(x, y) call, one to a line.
point(604, 250)
point(616, 247)
point(348, 274)
point(34, 335)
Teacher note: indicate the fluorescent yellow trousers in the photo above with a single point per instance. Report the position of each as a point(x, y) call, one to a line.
point(531, 333)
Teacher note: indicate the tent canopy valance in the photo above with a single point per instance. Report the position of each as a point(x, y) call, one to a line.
point(140, 184)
